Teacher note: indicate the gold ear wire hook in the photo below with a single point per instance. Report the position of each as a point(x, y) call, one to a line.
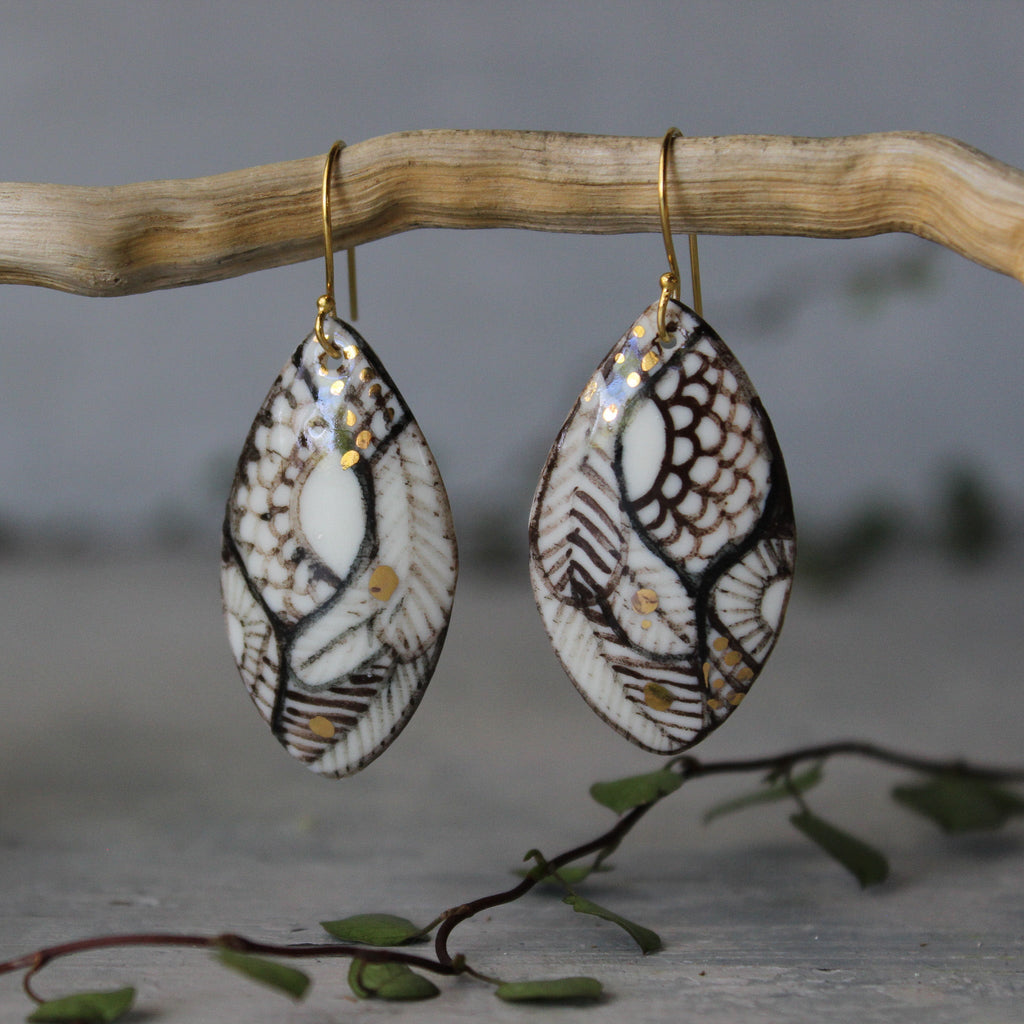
point(325, 306)
point(670, 280)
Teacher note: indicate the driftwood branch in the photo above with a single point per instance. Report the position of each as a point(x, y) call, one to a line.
point(164, 234)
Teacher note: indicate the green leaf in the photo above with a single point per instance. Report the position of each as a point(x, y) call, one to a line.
point(374, 929)
point(356, 970)
point(571, 874)
point(864, 862)
point(648, 941)
point(776, 790)
point(285, 979)
point(550, 990)
point(85, 1008)
point(408, 986)
point(389, 981)
point(958, 803)
point(622, 795)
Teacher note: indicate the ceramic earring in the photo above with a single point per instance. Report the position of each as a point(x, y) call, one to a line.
point(662, 539)
point(339, 557)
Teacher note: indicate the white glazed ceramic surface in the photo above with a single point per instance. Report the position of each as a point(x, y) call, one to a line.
point(339, 558)
point(662, 537)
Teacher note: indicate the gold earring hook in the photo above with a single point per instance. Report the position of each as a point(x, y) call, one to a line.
point(670, 280)
point(325, 306)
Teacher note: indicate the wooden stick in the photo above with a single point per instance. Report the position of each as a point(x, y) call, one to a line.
point(164, 234)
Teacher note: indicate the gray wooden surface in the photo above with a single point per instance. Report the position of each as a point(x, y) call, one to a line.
point(140, 791)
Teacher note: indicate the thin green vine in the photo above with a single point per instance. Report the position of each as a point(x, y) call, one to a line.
point(956, 795)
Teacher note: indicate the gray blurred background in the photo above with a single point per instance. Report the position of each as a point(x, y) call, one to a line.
point(890, 367)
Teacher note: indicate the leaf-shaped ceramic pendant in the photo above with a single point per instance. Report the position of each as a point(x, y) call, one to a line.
point(339, 558)
point(662, 537)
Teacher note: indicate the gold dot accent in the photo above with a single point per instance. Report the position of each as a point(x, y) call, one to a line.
point(389, 414)
point(633, 380)
point(620, 358)
point(322, 727)
point(610, 412)
point(350, 458)
point(350, 351)
point(646, 624)
point(365, 374)
point(638, 331)
point(322, 369)
point(383, 581)
point(745, 673)
point(720, 643)
point(644, 600)
point(732, 657)
point(363, 439)
point(350, 418)
point(649, 361)
point(706, 669)
point(735, 699)
point(657, 697)
point(714, 704)
point(590, 390)
point(337, 387)
point(374, 389)
point(718, 684)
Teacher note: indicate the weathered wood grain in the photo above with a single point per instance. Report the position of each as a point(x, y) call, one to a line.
point(164, 234)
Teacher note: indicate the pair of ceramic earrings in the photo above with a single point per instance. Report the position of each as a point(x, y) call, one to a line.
point(661, 538)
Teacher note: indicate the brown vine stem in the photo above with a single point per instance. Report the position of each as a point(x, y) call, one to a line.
point(857, 748)
point(691, 768)
point(452, 918)
point(687, 767)
point(37, 960)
